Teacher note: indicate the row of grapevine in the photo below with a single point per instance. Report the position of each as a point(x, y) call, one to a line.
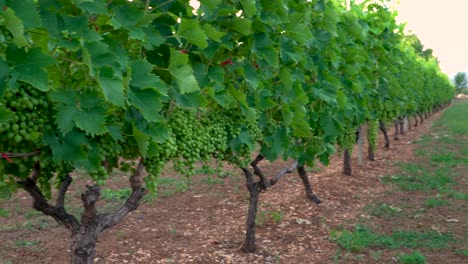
point(103, 85)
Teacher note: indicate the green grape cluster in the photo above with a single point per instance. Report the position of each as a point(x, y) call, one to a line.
point(233, 123)
point(108, 153)
point(30, 119)
point(5, 36)
point(161, 153)
point(347, 139)
point(50, 169)
point(109, 148)
point(192, 139)
point(373, 132)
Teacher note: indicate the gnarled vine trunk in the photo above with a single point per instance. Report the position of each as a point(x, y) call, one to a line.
point(384, 132)
point(86, 231)
point(370, 153)
point(402, 125)
point(83, 248)
point(347, 170)
point(256, 187)
point(249, 245)
point(307, 186)
point(396, 124)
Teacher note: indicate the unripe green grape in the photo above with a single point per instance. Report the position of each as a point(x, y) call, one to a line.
point(373, 133)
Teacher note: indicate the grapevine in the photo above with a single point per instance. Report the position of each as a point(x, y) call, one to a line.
point(102, 85)
point(372, 134)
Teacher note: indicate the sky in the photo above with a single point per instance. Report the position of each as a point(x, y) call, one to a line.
point(441, 26)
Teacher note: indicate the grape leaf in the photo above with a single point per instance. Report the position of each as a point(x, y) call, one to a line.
point(112, 86)
point(86, 112)
point(182, 72)
point(64, 119)
point(68, 147)
point(29, 66)
point(142, 140)
point(153, 38)
point(15, 26)
point(241, 25)
point(276, 142)
point(190, 30)
point(26, 10)
point(142, 77)
point(159, 132)
point(100, 55)
point(264, 47)
point(147, 100)
point(4, 72)
point(92, 6)
point(91, 115)
point(115, 132)
point(5, 115)
point(127, 16)
point(64, 96)
point(211, 4)
point(195, 99)
point(220, 95)
point(212, 33)
point(249, 7)
point(251, 75)
point(263, 100)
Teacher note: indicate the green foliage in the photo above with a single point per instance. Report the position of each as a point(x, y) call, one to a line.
point(88, 83)
point(460, 81)
point(372, 133)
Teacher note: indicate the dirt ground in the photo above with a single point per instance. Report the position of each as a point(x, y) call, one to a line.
point(205, 224)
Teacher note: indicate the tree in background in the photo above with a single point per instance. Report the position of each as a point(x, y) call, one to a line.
point(461, 81)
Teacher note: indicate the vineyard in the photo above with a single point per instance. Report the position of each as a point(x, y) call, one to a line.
point(145, 89)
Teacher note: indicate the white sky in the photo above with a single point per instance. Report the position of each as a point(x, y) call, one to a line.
point(441, 26)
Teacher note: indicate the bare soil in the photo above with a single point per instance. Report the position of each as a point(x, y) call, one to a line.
point(206, 223)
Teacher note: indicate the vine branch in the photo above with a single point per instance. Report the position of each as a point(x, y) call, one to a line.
point(138, 191)
point(40, 203)
point(21, 155)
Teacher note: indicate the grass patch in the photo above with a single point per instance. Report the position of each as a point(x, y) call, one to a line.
point(433, 202)
point(32, 214)
point(122, 195)
point(170, 186)
point(414, 258)
point(383, 210)
point(454, 119)
point(436, 178)
point(3, 212)
point(417, 178)
point(269, 216)
point(26, 243)
point(116, 195)
point(362, 238)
